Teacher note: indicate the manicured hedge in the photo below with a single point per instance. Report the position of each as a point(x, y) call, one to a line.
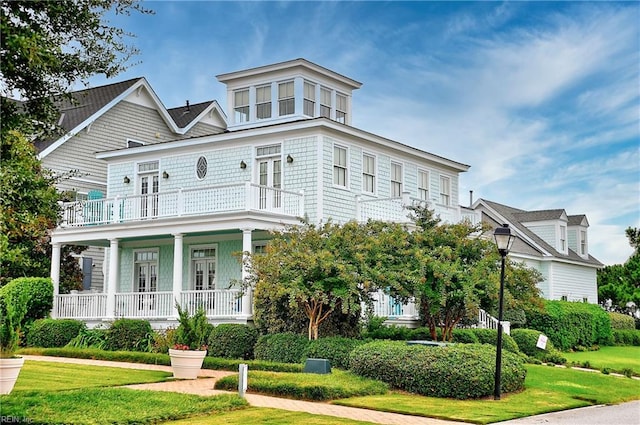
point(626, 337)
point(283, 347)
point(572, 324)
point(49, 333)
point(336, 349)
point(490, 336)
point(527, 340)
point(458, 371)
point(232, 341)
point(621, 321)
point(39, 292)
point(129, 335)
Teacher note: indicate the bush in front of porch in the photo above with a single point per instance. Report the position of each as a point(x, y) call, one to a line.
point(232, 341)
point(53, 332)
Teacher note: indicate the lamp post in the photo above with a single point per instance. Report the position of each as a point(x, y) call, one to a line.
point(504, 240)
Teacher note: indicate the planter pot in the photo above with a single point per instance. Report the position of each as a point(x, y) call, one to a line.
point(186, 363)
point(9, 371)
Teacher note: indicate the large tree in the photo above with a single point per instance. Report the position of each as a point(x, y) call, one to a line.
point(619, 284)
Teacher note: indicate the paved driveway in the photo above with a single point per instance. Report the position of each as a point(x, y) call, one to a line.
point(619, 414)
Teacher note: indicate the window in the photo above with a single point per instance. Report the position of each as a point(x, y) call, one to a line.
point(144, 167)
point(396, 180)
point(563, 238)
point(583, 242)
point(146, 271)
point(309, 99)
point(564, 298)
point(445, 190)
point(241, 105)
point(340, 166)
point(259, 247)
point(341, 108)
point(263, 102)
point(268, 150)
point(201, 167)
point(423, 185)
point(325, 102)
point(368, 173)
point(134, 143)
point(203, 268)
point(286, 101)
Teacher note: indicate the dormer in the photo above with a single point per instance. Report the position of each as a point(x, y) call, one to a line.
point(549, 225)
point(287, 91)
point(577, 229)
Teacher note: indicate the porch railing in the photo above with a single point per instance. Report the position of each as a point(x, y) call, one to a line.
point(216, 303)
point(386, 306)
point(144, 304)
point(81, 306)
point(394, 209)
point(187, 202)
point(487, 321)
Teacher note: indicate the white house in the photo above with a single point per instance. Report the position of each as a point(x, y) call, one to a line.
point(552, 242)
point(176, 213)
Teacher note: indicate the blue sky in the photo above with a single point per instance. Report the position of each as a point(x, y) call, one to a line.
point(542, 99)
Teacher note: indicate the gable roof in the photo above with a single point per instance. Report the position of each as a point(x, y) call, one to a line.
point(515, 217)
point(183, 116)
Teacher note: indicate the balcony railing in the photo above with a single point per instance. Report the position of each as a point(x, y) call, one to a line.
point(182, 203)
point(394, 209)
point(386, 306)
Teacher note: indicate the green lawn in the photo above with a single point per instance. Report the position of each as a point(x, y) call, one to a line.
point(617, 359)
point(547, 389)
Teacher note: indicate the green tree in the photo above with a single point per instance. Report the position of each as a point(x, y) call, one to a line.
point(619, 284)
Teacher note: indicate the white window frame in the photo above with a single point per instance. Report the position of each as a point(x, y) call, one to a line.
point(239, 114)
point(263, 105)
point(325, 103)
point(445, 190)
point(287, 99)
point(337, 166)
point(393, 182)
point(309, 99)
point(421, 189)
point(372, 174)
point(341, 108)
point(134, 287)
point(206, 171)
point(257, 244)
point(563, 239)
point(583, 242)
point(191, 277)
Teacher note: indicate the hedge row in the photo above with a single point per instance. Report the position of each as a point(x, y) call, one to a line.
point(572, 324)
point(626, 337)
point(621, 321)
point(527, 340)
point(457, 371)
point(53, 332)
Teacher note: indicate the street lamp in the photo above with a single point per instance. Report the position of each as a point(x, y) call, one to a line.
point(504, 239)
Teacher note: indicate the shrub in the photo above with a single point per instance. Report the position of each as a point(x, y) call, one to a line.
point(467, 336)
point(570, 324)
point(193, 330)
point(626, 337)
point(13, 307)
point(53, 332)
point(284, 347)
point(129, 335)
point(490, 336)
point(232, 341)
point(527, 340)
point(336, 349)
point(393, 332)
point(420, 334)
point(89, 338)
point(39, 296)
point(621, 321)
point(163, 339)
point(457, 371)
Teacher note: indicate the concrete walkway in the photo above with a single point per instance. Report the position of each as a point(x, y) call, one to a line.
point(203, 386)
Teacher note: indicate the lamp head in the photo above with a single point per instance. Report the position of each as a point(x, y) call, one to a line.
point(504, 239)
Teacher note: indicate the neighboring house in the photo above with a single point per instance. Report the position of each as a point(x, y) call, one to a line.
point(552, 242)
point(114, 116)
point(178, 214)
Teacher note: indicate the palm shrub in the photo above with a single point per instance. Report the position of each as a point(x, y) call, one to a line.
point(49, 333)
point(193, 331)
point(232, 341)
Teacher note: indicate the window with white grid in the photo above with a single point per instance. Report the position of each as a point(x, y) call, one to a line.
point(286, 101)
point(241, 105)
point(309, 99)
point(445, 190)
point(396, 180)
point(368, 173)
point(423, 185)
point(325, 102)
point(263, 102)
point(340, 166)
point(341, 108)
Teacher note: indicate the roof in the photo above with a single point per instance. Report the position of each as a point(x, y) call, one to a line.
point(183, 115)
point(515, 217)
point(82, 105)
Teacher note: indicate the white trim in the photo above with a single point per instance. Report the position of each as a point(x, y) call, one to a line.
point(393, 162)
point(346, 166)
point(376, 174)
point(190, 276)
point(429, 191)
point(134, 287)
point(83, 180)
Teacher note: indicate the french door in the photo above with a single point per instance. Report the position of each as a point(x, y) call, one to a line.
point(146, 279)
point(270, 181)
point(149, 195)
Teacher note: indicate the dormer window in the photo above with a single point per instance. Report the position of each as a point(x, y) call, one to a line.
point(263, 102)
point(563, 239)
point(583, 242)
point(241, 105)
point(325, 102)
point(286, 101)
point(309, 99)
point(341, 108)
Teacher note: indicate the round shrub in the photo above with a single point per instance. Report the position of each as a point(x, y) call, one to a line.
point(284, 347)
point(626, 337)
point(232, 341)
point(621, 321)
point(490, 336)
point(129, 335)
point(49, 333)
point(39, 292)
point(456, 371)
point(336, 349)
point(465, 336)
point(527, 340)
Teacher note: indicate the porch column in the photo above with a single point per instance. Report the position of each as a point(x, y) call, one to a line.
point(246, 248)
point(177, 272)
point(112, 282)
point(56, 249)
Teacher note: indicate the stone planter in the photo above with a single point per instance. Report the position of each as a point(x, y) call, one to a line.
point(186, 363)
point(9, 371)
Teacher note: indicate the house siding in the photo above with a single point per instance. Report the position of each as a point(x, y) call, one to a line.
point(546, 232)
point(574, 282)
point(302, 174)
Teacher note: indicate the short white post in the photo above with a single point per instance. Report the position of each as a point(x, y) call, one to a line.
point(242, 379)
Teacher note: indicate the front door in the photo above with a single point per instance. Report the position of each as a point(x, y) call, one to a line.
point(146, 278)
point(270, 181)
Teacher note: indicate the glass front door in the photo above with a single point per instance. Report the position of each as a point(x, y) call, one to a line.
point(270, 181)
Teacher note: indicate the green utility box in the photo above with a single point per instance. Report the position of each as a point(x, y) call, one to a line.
point(320, 366)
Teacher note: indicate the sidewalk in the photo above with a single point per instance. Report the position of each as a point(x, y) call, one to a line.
point(203, 386)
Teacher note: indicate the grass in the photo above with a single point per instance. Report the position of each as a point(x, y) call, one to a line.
point(547, 389)
point(616, 359)
point(306, 386)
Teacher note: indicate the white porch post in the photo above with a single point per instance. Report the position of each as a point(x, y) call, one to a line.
point(114, 261)
point(56, 249)
point(177, 272)
point(246, 248)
